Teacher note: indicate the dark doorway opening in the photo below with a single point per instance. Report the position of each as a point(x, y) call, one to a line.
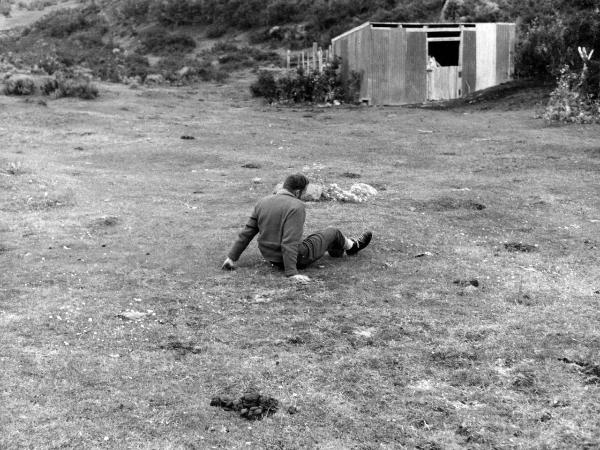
point(445, 52)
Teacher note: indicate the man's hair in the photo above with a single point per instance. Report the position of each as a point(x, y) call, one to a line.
point(295, 182)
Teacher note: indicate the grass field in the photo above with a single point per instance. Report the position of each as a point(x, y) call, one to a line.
point(472, 320)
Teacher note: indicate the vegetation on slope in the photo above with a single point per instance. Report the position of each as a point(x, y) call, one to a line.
point(113, 38)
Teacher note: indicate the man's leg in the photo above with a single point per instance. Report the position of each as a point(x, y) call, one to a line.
point(313, 247)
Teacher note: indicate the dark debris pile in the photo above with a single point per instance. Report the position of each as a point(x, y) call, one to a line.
point(250, 406)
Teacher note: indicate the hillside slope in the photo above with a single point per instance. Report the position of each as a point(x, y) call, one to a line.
point(173, 35)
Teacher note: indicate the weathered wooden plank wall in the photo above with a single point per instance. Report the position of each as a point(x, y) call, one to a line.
point(380, 54)
point(469, 61)
point(416, 67)
point(397, 65)
point(486, 55)
point(504, 46)
point(443, 83)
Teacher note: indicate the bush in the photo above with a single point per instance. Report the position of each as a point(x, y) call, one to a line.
point(136, 65)
point(158, 40)
point(48, 86)
point(179, 12)
point(5, 9)
point(136, 10)
point(216, 30)
point(574, 99)
point(313, 87)
point(64, 22)
point(76, 88)
point(265, 86)
point(19, 86)
point(543, 50)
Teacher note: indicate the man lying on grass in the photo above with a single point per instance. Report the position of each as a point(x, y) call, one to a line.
point(279, 221)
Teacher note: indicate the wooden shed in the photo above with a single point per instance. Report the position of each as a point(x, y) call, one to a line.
point(403, 63)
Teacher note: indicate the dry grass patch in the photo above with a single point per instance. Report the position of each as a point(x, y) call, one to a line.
point(395, 348)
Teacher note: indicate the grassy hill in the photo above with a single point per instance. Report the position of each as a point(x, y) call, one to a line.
point(178, 35)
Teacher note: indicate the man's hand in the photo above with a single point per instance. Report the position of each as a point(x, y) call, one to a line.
point(228, 264)
point(300, 279)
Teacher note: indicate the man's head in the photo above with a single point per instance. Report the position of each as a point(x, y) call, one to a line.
point(296, 184)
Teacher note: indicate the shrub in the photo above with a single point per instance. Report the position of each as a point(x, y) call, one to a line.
point(179, 12)
point(543, 50)
point(64, 22)
point(5, 9)
point(136, 10)
point(50, 64)
point(313, 87)
point(265, 86)
point(575, 99)
point(282, 11)
point(76, 88)
point(19, 86)
point(48, 85)
point(136, 65)
point(158, 40)
point(216, 30)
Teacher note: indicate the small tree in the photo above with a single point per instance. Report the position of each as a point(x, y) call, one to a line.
point(574, 99)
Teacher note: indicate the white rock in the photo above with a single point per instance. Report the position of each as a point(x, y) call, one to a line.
point(363, 189)
point(155, 78)
point(313, 192)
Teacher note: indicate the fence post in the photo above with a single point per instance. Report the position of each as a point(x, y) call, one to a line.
point(287, 59)
point(314, 55)
point(320, 56)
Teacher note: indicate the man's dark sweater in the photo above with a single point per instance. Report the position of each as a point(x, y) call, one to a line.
point(279, 220)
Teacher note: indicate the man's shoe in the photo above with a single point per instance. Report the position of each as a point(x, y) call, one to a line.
point(360, 242)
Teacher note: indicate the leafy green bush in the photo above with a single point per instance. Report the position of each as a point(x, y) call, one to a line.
point(313, 87)
point(5, 9)
point(136, 65)
point(265, 86)
point(136, 10)
point(216, 30)
point(19, 86)
point(575, 99)
point(158, 40)
point(543, 49)
point(48, 85)
point(62, 23)
point(76, 88)
point(179, 12)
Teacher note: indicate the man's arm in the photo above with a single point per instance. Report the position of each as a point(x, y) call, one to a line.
point(244, 238)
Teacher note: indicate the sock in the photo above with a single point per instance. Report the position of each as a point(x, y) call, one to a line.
point(348, 244)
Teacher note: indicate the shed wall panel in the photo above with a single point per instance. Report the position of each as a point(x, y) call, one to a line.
point(397, 57)
point(469, 61)
point(343, 53)
point(363, 52)
point(380, 55)
point(503, 53)
point(486, 55)
point(366, 52)
point(416, 67)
